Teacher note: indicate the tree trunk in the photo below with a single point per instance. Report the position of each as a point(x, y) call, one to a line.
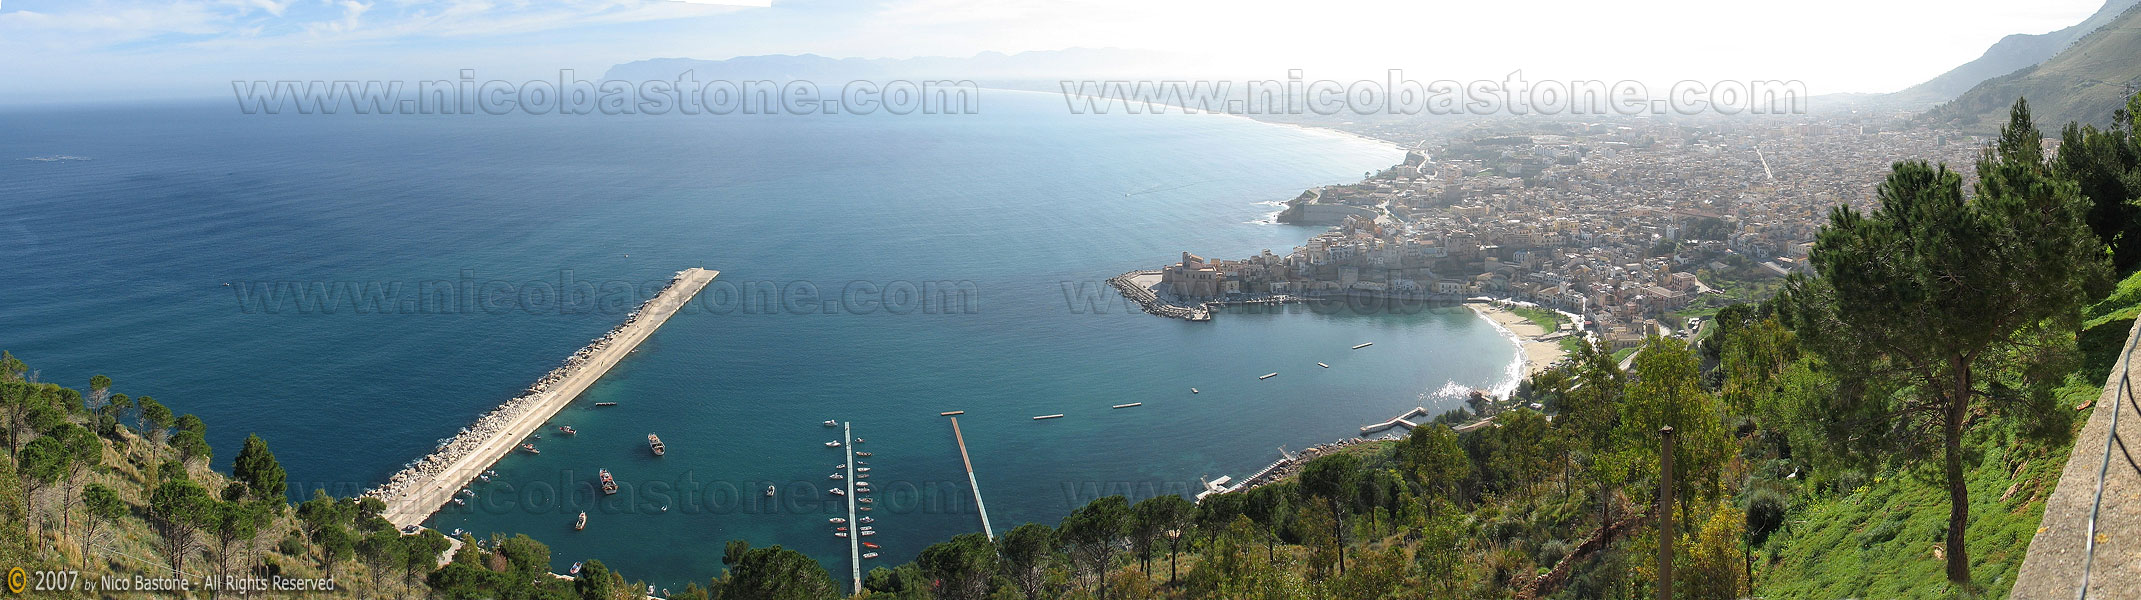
point(1958, 491)
point(1338, 532)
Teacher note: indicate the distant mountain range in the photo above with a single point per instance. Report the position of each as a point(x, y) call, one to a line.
point(2009, 54)
point(2085, 82)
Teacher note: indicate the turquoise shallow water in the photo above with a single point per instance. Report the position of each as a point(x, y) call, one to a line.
point(119, 262)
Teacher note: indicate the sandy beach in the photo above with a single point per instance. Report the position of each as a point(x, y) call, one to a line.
point(419, 490)
point(1538, 354)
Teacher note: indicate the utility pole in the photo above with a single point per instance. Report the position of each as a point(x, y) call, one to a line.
point(1665, 516)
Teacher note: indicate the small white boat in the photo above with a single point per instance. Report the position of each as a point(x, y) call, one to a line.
point(575, 569)
point(862, 469)
point(1269, 375)
point(866, 500)
point(836, 520)
point(832, 444)
point(831, 423)
point(840, 534)
point(836, 476)
point(1363, 345)
point(1193, 390)
point(837, 492)
point(1323, 365)
point(865, 520)
point(868, 533)
point(769, 491)
point(840, 466)
point(459, 502)
point(869, 555)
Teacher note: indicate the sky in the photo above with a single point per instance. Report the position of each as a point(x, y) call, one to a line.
point(73, 51)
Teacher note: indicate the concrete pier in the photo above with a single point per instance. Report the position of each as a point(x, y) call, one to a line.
point(417, 492)
point(854, 525)
point(978, 506)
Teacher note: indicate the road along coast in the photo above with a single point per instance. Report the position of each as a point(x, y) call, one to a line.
point(416, 492)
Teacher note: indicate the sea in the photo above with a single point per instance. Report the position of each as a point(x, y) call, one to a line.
point(356, 288)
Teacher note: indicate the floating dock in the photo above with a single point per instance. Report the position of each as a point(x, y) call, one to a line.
point(1129, 405)
point(1269, 375)
point(978, 506)
point(419, 492)
point(1357, 347)
point(1053, 416)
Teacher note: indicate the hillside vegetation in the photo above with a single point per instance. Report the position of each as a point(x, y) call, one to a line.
point(2086, 83)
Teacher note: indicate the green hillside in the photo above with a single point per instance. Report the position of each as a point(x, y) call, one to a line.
point(2086, 83)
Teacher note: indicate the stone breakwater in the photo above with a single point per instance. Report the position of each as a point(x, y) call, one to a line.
point(1137, 286)
point(418, 490)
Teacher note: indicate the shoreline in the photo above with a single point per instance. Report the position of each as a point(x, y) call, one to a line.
point(416, 492)
point(1534, 355)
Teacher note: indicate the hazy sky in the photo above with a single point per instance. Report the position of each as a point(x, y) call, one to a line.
point(102, 50)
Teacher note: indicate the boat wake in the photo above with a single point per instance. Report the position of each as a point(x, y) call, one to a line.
point(57, 158)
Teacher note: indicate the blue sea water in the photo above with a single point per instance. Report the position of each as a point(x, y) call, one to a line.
point(116, 264)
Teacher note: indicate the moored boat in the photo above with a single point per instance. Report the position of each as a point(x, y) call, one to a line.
point(836, 476)
point(870, 545)
point(609, 484)
point(869, 555)
point(530, 448)
point(837, 492)
point(836, 520)
point(862, 454)
point(832, 444)
point(580, 524)
point(605, 404)
point(575, 569)
point(567, 430)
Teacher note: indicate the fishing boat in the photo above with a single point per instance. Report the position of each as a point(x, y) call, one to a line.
point(530, 448)
point(836, 492)
point(862, 454)
point(870, 545)
point(575, 569)
point(567, 430)
point(609, 484)
point(580, 524)
point(833, 444)
point(605, 404)
point(655, 443)
point(869, 555)
point(836, 520)
point(831, 423)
